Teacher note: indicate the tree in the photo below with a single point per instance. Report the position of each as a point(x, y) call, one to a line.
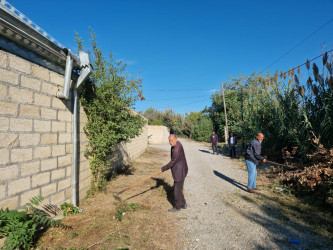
point(106, 100)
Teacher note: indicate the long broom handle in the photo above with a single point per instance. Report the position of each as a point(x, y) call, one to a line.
point(277, 163)
point(139, 182)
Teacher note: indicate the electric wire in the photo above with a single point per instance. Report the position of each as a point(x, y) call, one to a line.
point(300, 43)
point(299, 65)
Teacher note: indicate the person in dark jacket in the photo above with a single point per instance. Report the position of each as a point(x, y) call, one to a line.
point(252, 158)
point(232, 142)
point(179, 169)
point(214, 140)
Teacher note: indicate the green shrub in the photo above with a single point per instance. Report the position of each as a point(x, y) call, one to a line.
point(20, 227)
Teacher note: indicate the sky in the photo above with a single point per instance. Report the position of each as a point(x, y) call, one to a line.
point(184, 49)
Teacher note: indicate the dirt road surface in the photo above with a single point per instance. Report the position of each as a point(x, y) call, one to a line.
point(223, 215)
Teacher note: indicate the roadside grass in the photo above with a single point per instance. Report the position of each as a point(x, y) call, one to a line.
point(138, 221)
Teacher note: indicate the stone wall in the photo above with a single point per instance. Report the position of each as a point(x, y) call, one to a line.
point(36, 135)
point(158, 134)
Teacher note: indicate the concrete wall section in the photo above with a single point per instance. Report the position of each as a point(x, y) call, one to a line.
point(36, 135)
point(158, 134)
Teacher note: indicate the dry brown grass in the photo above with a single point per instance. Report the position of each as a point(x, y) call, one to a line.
point(149, 226)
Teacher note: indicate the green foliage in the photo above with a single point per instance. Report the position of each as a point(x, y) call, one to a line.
point(68, 208)
point(123, 208)
point(20, 227)
point(106, 100)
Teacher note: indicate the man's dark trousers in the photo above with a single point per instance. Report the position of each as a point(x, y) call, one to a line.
point(214, 146)
point(178, 193)
point(232, 151)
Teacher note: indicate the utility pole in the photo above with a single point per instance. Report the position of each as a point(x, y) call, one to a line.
point(242, 118)
point(225, 115)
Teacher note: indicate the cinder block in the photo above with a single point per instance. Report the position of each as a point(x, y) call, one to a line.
point(4, 124)
point(29, 139)
point(19, 64)
point(9, 76)
point(3, 91)
point(8, 140)
point(8, 108)
point(4, 156)
point(18, 185)
point(8, 173)
point(49, 189)
point(26, 196)
point(58, 174)
point(83, 117)
point(49, 114)
point(58, 103)
point(57, 78)
point(21, 125)
point(42, 126)
point(58, 126)
point(49, 164)
point(20, 95)
point(42, 152)
point(30, 168)
point(83, 137)
point(42, 100)
point(65, 116)
point(29, 111)
point(68, 193)
point(58, 198)
point(31, 83)
point(85, 174)
point(3, 59)
point(2, 191)
point(49, 138)
point(40, 72)
point(69, 127)
point(49, 89)
point(11, 203)
point(69, 148)
point(65, 138)
point(58, 150)
point(41, 179)
point(69, 171)
point(64, 184)
point(21, 154)
point(64, 160)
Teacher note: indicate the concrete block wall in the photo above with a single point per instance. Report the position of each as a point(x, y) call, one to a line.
point(158, 134)
point(133, 149)
point(36, 136)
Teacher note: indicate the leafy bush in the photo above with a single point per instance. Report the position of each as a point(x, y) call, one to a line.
point(106, 100)
point(68, 208)
point(20, 227)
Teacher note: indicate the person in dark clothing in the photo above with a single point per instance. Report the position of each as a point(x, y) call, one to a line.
point(232, 142)
point(252, 158)
point(179, 169)
point(214, 140)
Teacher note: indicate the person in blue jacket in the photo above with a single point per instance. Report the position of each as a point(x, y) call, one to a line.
point(252, 158)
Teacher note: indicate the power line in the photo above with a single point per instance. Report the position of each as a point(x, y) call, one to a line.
point(168, 99)
point(316, 31)
point(172, 90)
point(300, 65)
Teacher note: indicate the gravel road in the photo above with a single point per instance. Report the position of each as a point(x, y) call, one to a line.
point(222, 215)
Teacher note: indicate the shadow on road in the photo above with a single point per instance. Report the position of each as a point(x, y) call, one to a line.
point(159, 182)
point(205, 151)
point(276, 217)
point(231, 181)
